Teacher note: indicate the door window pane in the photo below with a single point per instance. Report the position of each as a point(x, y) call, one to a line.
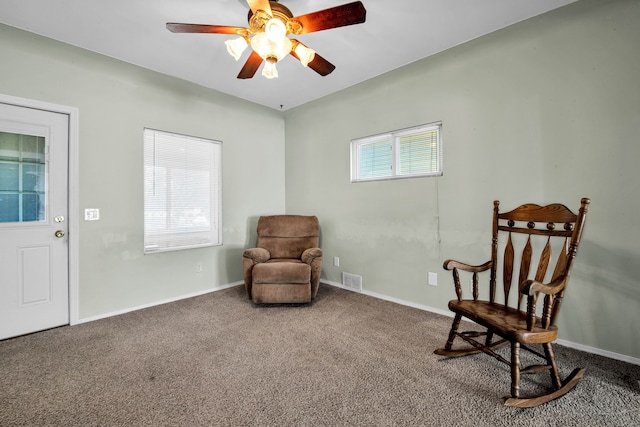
point(22, 177)
point(9, 177)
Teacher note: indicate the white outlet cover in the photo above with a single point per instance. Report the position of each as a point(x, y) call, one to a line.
point(433, 279)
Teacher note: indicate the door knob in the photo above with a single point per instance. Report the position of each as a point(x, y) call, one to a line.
point(60, 233)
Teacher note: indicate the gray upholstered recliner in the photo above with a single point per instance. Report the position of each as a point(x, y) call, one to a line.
point(285, 265)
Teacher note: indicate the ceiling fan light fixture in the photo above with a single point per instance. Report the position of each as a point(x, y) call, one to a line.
point(268, 48)
point(235, 47)
point(270, 24)
point(305, 54)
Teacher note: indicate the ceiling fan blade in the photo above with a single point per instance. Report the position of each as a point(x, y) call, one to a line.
point(251, 66)
point(339, 16)
point(256, 5)
point(176, 27)
point(318, 64)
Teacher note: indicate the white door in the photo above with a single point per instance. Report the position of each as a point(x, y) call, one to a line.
point(34, 253)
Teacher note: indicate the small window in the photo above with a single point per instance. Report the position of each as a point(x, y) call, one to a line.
point(182, 192)
point(405, 153)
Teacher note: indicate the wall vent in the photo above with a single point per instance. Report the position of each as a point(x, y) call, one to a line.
point(352, 282)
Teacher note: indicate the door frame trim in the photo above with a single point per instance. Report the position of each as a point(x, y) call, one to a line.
point(73, 192)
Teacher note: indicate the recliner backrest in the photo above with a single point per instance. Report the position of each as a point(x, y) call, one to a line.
point(288, 236)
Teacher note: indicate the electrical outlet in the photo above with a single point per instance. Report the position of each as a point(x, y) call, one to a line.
point(432, 279)
point(336, 261)
point(199, 267)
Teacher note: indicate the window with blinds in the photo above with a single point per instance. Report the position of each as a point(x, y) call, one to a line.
point(182, 192)
point(405, 153)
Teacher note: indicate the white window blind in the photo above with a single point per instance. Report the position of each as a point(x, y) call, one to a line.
point(376, 158)
point(182, 192)
point(411, 152)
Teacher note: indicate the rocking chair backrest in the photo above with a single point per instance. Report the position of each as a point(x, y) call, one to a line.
point(553, 231)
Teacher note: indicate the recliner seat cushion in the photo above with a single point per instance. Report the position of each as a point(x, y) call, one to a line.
point(282, 271)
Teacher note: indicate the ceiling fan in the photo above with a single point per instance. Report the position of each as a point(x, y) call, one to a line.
point(270, 24)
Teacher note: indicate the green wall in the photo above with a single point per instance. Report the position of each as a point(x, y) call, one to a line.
point(544, 111)
point(116, 101)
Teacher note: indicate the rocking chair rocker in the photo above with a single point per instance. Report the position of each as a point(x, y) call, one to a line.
point(533, 227)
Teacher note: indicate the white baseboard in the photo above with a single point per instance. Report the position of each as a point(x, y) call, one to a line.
point(599, 352)
point(140, 307)
point(392, 299)
point(570, 344)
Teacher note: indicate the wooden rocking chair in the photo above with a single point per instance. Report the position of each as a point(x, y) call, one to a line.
point(533, 227)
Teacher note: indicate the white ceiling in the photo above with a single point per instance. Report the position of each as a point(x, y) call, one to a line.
point(396, 33)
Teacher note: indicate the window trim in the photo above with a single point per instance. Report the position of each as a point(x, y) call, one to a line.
point(394, 136)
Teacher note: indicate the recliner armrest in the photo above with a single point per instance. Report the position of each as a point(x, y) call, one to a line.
point(310, 254)
point(257, 254)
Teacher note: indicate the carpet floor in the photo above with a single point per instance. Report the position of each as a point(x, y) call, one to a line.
point(347, 359)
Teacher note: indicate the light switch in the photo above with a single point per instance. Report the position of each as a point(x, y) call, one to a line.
point(91, 214)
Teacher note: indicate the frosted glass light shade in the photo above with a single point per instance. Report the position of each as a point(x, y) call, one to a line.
point(305, 54)
point(235, 47)
point(275, 29)
point(269, 70)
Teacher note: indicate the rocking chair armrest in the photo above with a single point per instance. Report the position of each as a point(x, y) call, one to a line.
point(532, 287)
point(451, 264)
